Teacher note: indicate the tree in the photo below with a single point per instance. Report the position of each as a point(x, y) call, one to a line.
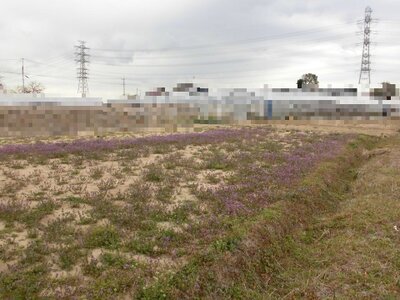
point(300, 83)
point(33, 87)
point(310, 78)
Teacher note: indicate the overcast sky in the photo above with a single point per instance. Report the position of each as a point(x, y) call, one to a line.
point(217, 43)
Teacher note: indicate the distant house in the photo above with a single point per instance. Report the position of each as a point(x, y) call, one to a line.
point(310, 87)
point(189, 87)
point(183, 87)
point(386, 92)
point(160, 91)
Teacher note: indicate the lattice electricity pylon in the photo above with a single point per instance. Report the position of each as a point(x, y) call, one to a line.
point(82, 58)
point(365, 71)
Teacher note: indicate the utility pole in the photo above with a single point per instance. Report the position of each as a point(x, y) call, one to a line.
point(365, 71)
point(82, 58)
point(123, 86)
point(23, 76)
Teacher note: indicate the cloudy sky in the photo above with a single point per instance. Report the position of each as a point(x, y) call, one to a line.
point(217, 43)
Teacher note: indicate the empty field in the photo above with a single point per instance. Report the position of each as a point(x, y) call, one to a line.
point(167, 216)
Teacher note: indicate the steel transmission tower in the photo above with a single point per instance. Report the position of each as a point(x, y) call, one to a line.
point(365, 71)
point(82, 58)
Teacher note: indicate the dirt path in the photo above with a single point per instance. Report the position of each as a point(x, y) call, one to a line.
point(355, 252)
point(376, 128)
point(372, 127)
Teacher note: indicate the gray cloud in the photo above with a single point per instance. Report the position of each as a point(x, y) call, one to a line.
point(220, 43)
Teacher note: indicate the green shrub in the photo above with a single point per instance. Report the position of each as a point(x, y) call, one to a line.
point(114, 260)
point(154, 173)
point(227, 244)
point(103, 236)
point(142, 246)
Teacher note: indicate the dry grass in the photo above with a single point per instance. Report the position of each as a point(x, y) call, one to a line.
point(354, 252)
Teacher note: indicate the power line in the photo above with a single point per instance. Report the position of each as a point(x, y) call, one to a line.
point(264, 49)
point(243, 41)
point(228, 49)
point(203, 63)
point(9, 59)
point(65, 61)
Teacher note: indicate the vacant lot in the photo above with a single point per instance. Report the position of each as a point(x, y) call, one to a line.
point(172, 216)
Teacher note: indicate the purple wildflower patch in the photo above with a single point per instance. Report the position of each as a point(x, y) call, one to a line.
point(92, 145)
point(256, 188)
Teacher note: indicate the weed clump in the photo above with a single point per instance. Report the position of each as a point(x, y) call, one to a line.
point(103, 236)
point(154, 173)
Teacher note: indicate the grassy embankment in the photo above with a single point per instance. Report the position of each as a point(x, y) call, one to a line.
point(334, 237)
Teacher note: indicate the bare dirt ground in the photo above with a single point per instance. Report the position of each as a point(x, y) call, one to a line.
point(54, 139)
point(377, 128)
point(374, 127)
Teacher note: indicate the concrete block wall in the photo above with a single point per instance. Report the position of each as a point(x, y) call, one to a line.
point(41, 119)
